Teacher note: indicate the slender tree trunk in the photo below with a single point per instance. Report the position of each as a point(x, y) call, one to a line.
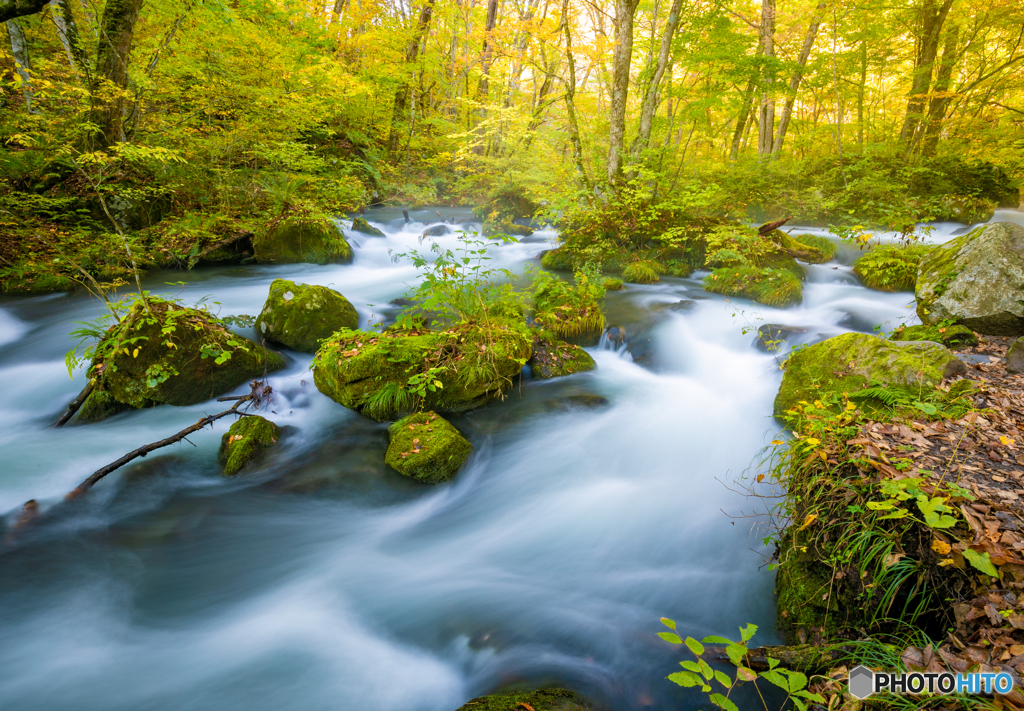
point(940, 92)
point(625, 12)
point(412, 50)
point(794, 81)
point(933, 17)
point(23, 63)
point(486, 55)
point(861, 87)
point(766, 114)
point(67, 30)
point(113, 51)
point(570, 104)
point(651, 99)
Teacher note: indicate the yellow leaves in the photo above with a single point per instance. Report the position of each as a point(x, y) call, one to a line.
point(776, 442)
point(851, 405)
point(808, 520)
point(813, 441)
point(135, 353)
point(1006, 441)
point(941, 547)
point(760, 478)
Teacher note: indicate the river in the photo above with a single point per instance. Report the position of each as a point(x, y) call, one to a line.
point(323, 580)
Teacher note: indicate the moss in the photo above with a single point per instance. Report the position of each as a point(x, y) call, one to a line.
point(568, 311)
point(539, 700)
point(772, 287)
point(245, 441)
point(949, 336)
point(890, 267)
point(850, 362)
point(644, 271)
point(818, 249)
point(302, 238)
point(169, 354)
point(965, 209)
point(301, 315)
point(370, 372)
point(99, 406)
point(553, 359)
point(799, 584)
point(427, 448)
point(613, 284)
point(558, 260)
point(361, 225)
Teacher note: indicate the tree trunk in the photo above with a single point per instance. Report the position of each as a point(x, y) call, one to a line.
point(794, 81)
point(570, 105)
point(486, 55)
point(23, 63)
point(67, 30)
point(651, 100)
point(932, 19)
point(117, 31)
point(940, 92)
point(741, 120)
point(625, 12)
point(13, 9)
point(766, 114)
point(412, 50)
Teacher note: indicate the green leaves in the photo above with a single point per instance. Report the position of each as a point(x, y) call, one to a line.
point(981, 561)
point(936, 512)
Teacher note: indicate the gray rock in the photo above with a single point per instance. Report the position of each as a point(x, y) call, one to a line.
point(770, 335)
point(1015, 357)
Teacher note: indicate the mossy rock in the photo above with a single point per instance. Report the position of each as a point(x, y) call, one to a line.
point(370, 372)
point(613, 284)
point(301, 315)
point(852, 361)
point(950, 336)
point(361, 225)
point(890, 267)
point(570, 312)
point(141, 364)
point(426, 447)
point(558, 260)
point(813, 249)
point(772, 287)
point(553, 359)
point(976, 280)
point(644, 271)
point(799, 581)
point(245, 441)
point(1015, 357)
point(539, 700)
point(302, 238)
point(99, 406)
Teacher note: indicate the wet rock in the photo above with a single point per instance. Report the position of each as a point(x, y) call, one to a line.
point(677, 306)
point(577, 402)
point(613, 284)
point(99, 406)
point(955, 336)
point(426, 447)
point(302, 238)
point(361, 225)
point(435, 231)
point(370, 372)
point(771, 335)
point(852, 361)
point(301, 315)
point(245, 441)
point(1015, 357)
point(616, 335)
point(976, 280)
point(540, 700)
point(553, 359)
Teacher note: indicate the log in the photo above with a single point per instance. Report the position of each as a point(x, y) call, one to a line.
point(770, 227)
point(805, 658)
point(76, 404)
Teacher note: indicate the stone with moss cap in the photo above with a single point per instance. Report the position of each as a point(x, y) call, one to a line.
point(302, 238)
point(376, 373)
point(245, 441)
point(426, 447)
point(99, 406)
point(553, 359)
point(773, 287)
point(954, 336)
point(890, 267)
point(812, 249)
point(852, 361)
point(169, 354)
point(538, 700)
point(976, 280)
point(301, 315)
point(360, 224)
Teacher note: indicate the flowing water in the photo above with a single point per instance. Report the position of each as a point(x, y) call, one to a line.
point(323, 580)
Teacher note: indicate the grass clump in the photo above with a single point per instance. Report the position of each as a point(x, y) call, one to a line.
point(569, 310)
point(642, 271)
point(772, 287)
point(890, 267)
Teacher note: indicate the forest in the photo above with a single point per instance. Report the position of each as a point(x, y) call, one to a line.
point(522, 325)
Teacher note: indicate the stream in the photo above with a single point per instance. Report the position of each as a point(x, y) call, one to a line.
point(323, 580)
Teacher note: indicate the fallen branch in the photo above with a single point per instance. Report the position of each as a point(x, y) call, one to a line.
point(768, 227)
point(805, 658)
point(75, 404)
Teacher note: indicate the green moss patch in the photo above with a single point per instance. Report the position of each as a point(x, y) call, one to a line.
point(539, 700)
point(568, 310)
point(813, 249)
point(361, 225)
point(426, 447)
point(301, 315)
point(953, 336)
point(302, 238)
point(553, 359)
point(643, 271)
point(245, 441)
point(558, 260)
point(890, 267)
point(772, 287)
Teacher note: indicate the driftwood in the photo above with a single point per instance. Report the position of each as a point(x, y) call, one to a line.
point(75, 405)
point(805, 658)
point(770, 227)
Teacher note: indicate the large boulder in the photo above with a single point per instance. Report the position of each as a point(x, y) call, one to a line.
point(976, 280)
point(426, 447)
point(385, 375)
point(165, 353)
point(850, 362)
point(553, 359)
point(245, 441)
point(539, 700)
point(302, 238)
point(1015, 357)
point(301, 315)
point(361, 225)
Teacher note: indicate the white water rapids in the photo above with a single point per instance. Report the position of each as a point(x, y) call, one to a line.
point(322, 580)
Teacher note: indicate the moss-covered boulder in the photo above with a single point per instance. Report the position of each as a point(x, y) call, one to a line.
point(955, 336)
point(302, 238)
point(976, 280)
point(812, 249)
point(386, 375)
point(853, 361)
point(245, 441)
point(362, 226)
point(301, 315)
point(166, 353)
point(552, 359)
point(539, 700)
point(1015, 357)
point(426, 447)
point(558, 260)
point(99, 406)
point(772, 287)
point(613, 284)
point(890, 267)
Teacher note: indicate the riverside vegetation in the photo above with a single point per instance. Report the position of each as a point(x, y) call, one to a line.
point(138, 136)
